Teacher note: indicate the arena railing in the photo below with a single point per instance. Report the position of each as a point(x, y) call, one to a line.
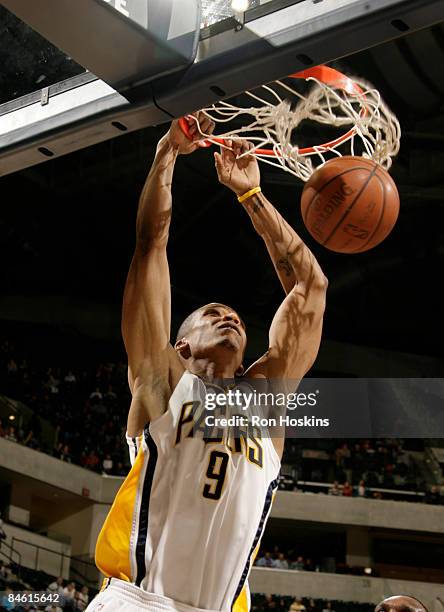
point(10, 556)
point(80, 570)
point(316, 487)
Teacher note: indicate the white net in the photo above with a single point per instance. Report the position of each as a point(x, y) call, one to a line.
point(365, 125)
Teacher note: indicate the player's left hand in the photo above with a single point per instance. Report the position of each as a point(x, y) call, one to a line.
point(180, 141)
point(240, 174)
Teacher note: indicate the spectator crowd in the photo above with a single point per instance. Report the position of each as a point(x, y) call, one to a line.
point(73, 597)
point(377, 468)
point(67, 596)
point(292, 559)
point(85, 412)
point(278, 603)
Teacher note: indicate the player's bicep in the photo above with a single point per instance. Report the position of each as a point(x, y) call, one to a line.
point(146, 312)
point(295, 335)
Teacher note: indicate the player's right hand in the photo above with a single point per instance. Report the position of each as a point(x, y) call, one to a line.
point(180, 141)
point(235, 168)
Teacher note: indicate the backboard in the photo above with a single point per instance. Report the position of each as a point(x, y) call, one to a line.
point(233, 52)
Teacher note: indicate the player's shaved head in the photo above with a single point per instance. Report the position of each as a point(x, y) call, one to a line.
point(401, 603)
point(188, 323)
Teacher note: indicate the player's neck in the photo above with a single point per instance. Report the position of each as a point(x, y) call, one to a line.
point(211, 371)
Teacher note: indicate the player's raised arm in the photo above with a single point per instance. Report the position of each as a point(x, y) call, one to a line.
point(146, 311)
point(247, 173)
point(295, 332)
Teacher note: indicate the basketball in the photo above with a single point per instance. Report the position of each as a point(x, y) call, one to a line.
point(350, 204)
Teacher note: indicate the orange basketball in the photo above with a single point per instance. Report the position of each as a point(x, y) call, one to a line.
point(350, 204)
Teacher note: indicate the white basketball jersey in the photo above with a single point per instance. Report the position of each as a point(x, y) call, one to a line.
point(188, 519)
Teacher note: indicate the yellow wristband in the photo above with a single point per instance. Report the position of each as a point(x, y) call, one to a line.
point(247, 195)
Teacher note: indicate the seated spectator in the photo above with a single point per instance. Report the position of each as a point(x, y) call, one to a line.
point(347, 489)
point(96, 395)
point(11, 434)
point(342, 454)
point(53, 608)
point(297, 606)
point(5, 604)
point(388, 479)
point(52, 382)
point(56, 587)
point(6, 572)
point(2, 531)
point(12, 367)
point(298, 564)
point(328, 607)
point(3, 571)
point(82, 598)
point(270, 603)
point(110, 396)
point(373, 479)
point(361, 490)
point(311, 606)
point(308, 565)
point(107, 464)
point(30, 440)
point(64, 454)
point(266, 561)
point(334, 489)
point(69, 593)
point(433, 496)
point(281, 562)
point(70, 378)
point(92, 460)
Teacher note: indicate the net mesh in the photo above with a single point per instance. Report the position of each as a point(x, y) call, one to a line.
point(365, 125)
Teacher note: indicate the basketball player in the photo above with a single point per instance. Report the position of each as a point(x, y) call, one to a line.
point(186, 524)
point(400, 603)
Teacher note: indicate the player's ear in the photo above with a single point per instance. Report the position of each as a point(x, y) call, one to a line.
point(240, 370)
point(183, 348)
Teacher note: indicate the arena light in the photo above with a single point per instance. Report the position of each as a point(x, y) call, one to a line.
point(240, 6)
point(214, 11)
point(12, 417)
point(367, 570)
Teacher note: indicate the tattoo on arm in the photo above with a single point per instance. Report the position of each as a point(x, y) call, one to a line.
point(284, 265)
point(256, 204)
point(158, 227)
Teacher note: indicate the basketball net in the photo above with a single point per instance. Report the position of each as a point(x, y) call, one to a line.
point(365, 124)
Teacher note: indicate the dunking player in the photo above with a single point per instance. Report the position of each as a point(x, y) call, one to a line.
point(186, 524)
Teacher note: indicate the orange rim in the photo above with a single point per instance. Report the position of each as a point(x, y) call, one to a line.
point(324, 74)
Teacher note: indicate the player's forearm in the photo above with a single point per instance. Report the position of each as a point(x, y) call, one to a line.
point(154, 213)
point(292, 259)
